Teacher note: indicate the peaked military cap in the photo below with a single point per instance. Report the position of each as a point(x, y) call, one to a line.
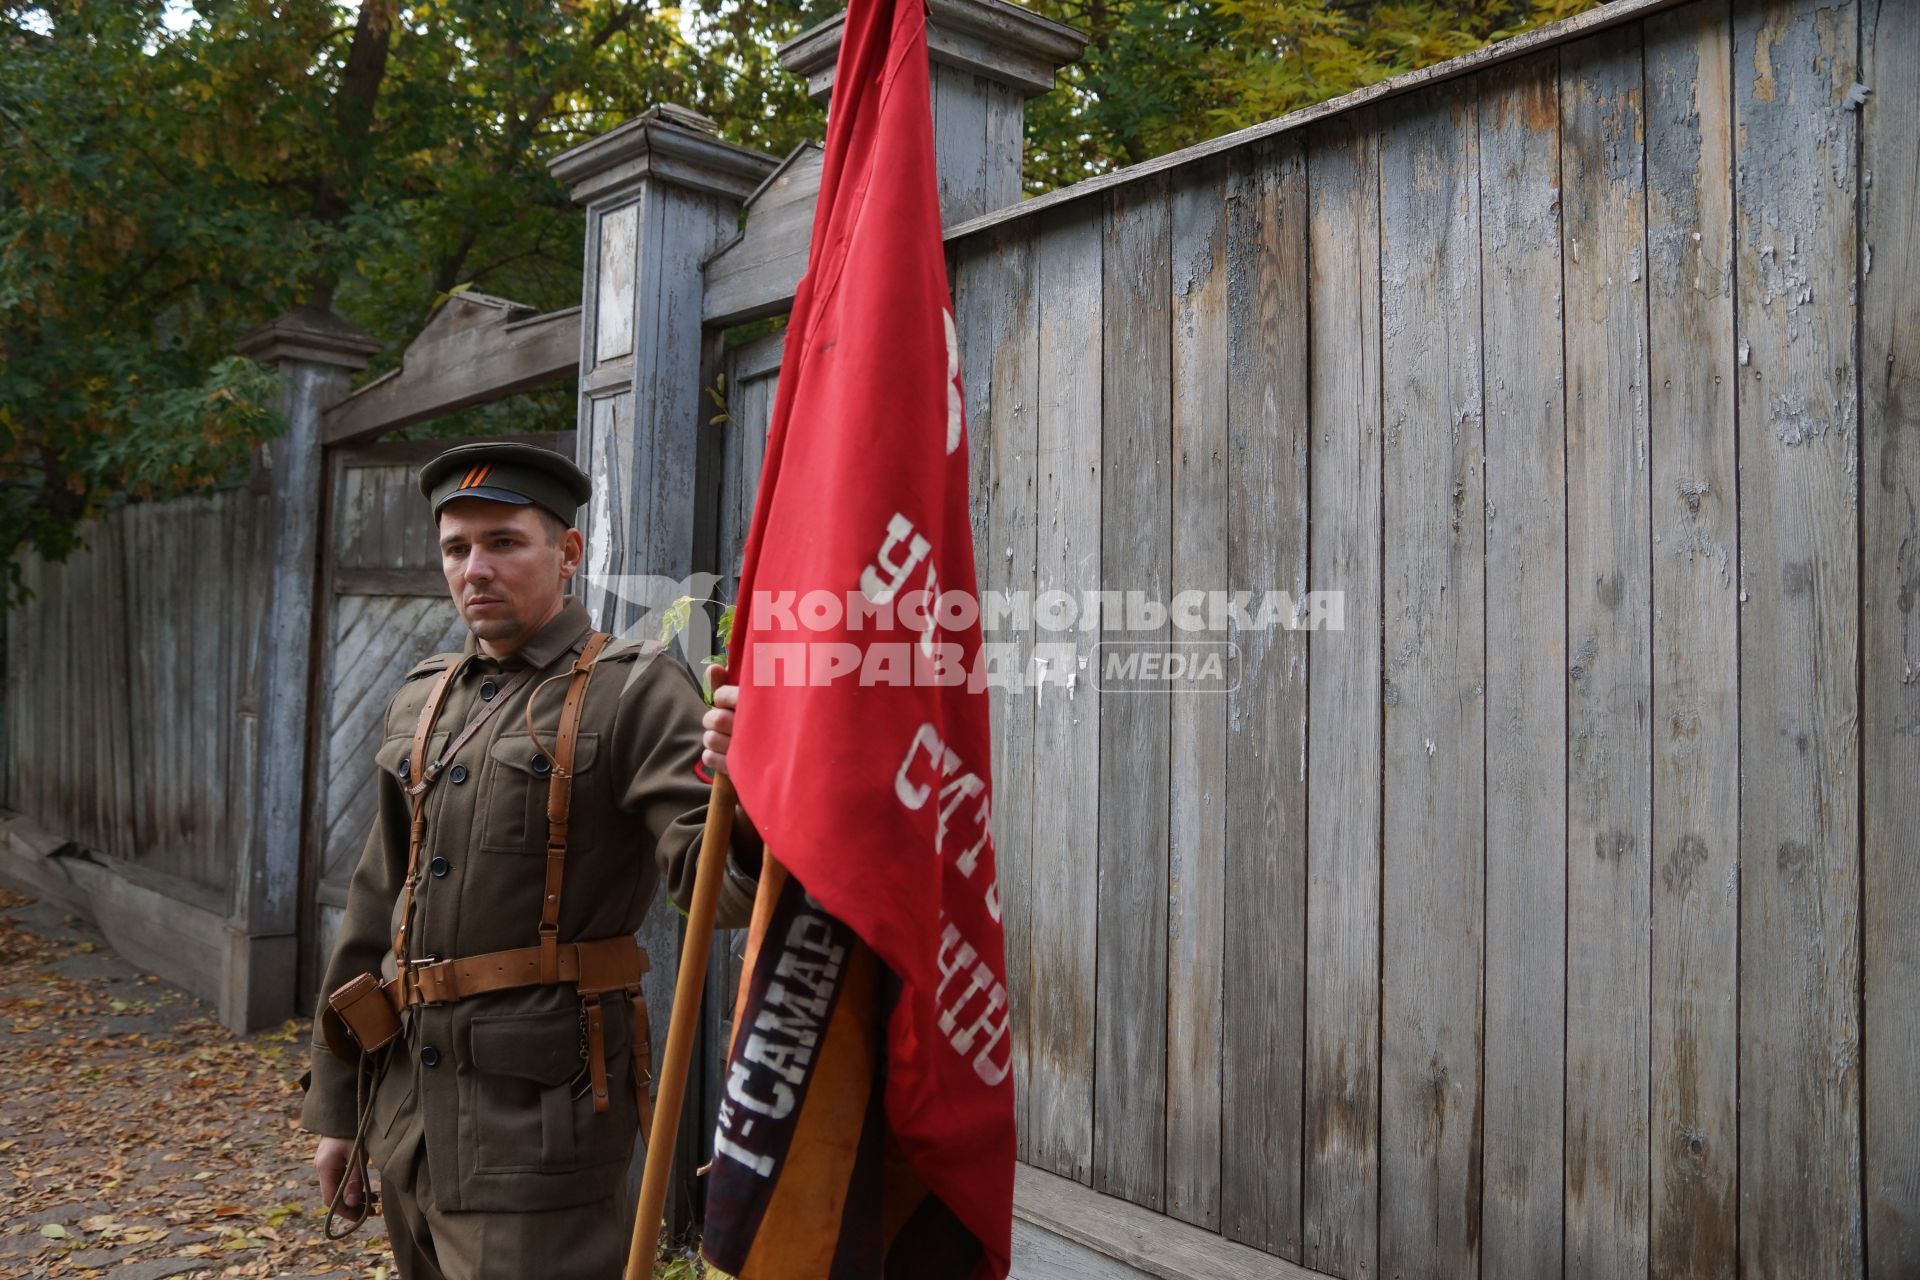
point(523, 474)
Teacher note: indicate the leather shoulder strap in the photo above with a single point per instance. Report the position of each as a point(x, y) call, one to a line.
point(423, 729)
point(417, 792)
point(560, 799)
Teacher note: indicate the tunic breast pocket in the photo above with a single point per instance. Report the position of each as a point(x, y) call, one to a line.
point(519, 774)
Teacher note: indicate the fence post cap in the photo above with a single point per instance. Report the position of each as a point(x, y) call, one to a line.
point(993, 39)
point(667, 143)
point(310, 335)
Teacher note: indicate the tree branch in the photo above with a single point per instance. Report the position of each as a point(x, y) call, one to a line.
point(353, 108)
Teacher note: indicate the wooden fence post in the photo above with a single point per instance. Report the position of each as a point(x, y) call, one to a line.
point(316, 353)
point(662, 192)
point(986, 58)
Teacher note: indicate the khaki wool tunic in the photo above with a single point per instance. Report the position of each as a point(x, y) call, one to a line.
point(494, 1085)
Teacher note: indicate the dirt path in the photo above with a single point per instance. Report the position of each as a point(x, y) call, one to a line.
point(138, 1139)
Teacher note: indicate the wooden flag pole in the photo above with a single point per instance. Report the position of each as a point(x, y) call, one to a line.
point(708, 877)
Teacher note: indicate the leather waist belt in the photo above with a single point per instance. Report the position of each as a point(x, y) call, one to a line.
point(601, 965)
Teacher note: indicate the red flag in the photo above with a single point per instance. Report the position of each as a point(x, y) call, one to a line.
point(861, 750)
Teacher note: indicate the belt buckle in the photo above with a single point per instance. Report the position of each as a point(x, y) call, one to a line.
point(412, 976)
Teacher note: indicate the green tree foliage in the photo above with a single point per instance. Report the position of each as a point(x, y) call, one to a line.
point(1162, 75)
point(174, 173)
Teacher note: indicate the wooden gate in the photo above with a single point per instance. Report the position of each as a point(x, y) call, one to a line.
point(382, 606)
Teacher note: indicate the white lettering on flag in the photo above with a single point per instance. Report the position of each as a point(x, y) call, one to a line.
point(779, 1050)
point(957, 785)
point(879, 580)
point(953, 381)
point(927, 739)
point(956, 956)
point(929, 763)
point(725, 1146)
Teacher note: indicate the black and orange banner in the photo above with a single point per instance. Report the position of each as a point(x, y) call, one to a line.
point(804, 1116)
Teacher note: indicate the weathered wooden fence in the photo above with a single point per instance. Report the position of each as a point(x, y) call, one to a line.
point(132, 725)
point(1557, 916)
point(132, 651)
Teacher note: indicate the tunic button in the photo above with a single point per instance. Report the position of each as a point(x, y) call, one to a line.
point(439, 866)
point(541, 765)
point(457, 774)
point(429, 1056)
point(406, 764)
point(487, 690)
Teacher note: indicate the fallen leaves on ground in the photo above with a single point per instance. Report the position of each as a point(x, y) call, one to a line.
point(141, 1140)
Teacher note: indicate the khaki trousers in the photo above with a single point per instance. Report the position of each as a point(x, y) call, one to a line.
point(588, 1242)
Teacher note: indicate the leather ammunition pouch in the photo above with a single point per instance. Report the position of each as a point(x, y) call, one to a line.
point(359, 1018)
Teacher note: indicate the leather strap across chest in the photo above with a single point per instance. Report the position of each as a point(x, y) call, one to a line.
point(418, 784)
point(560, 795)
point(422, 776)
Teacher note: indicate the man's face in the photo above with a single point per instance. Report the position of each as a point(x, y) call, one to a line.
point(506, 568)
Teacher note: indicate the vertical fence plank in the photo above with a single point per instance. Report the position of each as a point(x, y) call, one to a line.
point(1067, 730)
point(82, 618)
point(1136, 506)
point(1006, 120)
point(53, 650)
point(621, 427)
point(19, 708)
point(16, 707)
point(1609, 674)
point(1890, 508)
point(1342, 1173)
point(1696, 645)
point(143, 701)
point(1263, 986)
point(978, 287)
point(241, 719)
point(689, 227)
point(51, 766)
point(1526, 517)
point(116, 725)
point(24, 696)
point(1196, 822)
point(107, 723)
point(1433, 740)
point(399, 510)
point(28, 794)
point(1795, 191)
point(1013, 350)
point(202, 855)
point(961, 109)
point(975, 279)
point(168, 630)
point(614, 465)
point(68, 775)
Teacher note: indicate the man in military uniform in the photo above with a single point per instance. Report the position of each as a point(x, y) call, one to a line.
point(499, 914)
